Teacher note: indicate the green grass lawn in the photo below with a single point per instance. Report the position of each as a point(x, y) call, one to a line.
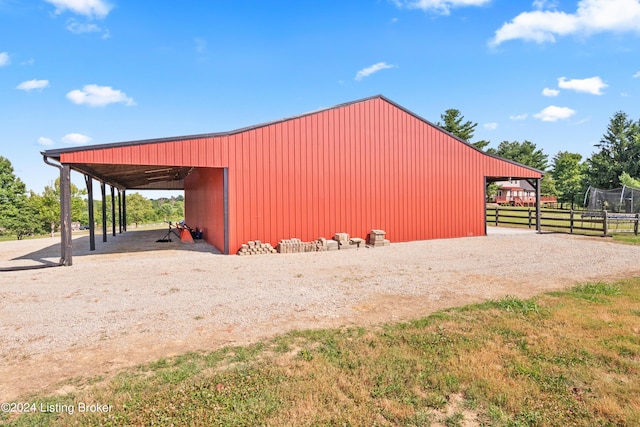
point(628, 238)
point(563, 358)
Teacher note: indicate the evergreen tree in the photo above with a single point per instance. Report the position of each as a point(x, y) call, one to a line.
point(453, 123)
point(619, 151)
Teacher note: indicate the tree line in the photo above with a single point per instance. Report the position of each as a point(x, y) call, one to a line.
point(25, 213)
point(614, 163)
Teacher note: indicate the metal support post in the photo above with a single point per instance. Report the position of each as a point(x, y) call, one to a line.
point(92, 232)
point(65, 215)
point(104, 211)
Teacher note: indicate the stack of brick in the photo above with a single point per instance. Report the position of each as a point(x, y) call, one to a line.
point(293, 245)
point(256, 247)
point(376, 239)
point(346, 242)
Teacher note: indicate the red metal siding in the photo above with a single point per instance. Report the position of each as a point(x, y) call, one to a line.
point(354, 168)
point(204, 208)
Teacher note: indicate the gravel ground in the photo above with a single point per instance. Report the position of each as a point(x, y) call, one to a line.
point(134, 300)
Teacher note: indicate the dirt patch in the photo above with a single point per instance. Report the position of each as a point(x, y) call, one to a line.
point(134, 300)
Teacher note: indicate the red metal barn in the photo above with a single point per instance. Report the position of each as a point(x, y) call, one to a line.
point(367, 164)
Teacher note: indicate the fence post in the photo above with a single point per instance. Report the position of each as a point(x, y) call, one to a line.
point(529, 217)
point(497, 209)
point(635, 226)
point(604, 222)
point(571, 221)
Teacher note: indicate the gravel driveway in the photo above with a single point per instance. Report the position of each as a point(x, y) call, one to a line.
point(134, 300)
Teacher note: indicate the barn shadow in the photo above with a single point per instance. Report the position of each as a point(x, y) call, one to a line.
point(142, 240)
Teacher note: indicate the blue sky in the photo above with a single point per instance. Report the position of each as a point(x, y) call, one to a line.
point(76, 72)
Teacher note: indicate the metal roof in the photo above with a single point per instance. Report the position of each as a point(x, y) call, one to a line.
point(172, 178)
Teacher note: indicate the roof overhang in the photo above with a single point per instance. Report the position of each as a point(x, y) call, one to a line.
point(133, 177)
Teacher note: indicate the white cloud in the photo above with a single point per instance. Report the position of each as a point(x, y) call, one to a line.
point(550, 92)
point(79, 28)
point(439, 6)
point(76, 139)
point(545, 4)
point(591, 16)
point(519, 116)
point(366, 72)
point(491, 126)
point(553, 113)
point(99, 96)
point(636, 75)
point(45, 141)
point(592, 85)
point(4, 59)
point(33, 84)
point(89, 8)
point(83, 28)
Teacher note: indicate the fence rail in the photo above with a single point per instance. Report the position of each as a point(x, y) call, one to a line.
point(569, 221)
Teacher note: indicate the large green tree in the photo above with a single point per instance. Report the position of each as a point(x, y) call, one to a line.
point(48, 205)
point(619, 151)
point(453, 122)
point(522, 152)
point(627, 180)
point(569, 172)
point(17, 214)
point(139, 209)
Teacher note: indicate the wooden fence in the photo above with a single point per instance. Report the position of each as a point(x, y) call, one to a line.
point(567, 221)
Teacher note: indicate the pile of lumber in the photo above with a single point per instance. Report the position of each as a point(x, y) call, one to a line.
point(256, 247)
point(376, 239)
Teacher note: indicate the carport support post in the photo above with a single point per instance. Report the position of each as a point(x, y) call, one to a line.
point(65, 215)
point(124, 210)
point(103, 190)
point(119, 211)
point(92, 234)
point(113, 210)
point(538, 201)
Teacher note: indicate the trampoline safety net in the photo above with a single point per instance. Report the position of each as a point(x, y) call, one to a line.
point(617, 200)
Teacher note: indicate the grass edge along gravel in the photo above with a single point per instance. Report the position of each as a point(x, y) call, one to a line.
point(561, 358)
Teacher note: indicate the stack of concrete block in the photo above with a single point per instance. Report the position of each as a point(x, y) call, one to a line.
point(256, 247)
point(289, 246)
point(346, 242)
point(377, 239)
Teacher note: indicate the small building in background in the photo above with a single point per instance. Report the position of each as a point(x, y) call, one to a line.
point(519, 192)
